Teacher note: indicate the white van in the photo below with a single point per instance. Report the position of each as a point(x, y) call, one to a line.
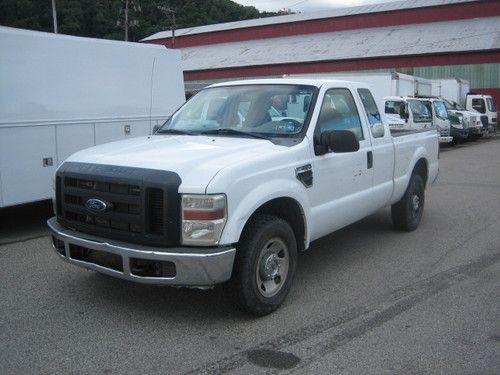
point(60, 94)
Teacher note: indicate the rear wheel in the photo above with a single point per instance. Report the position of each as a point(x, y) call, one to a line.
point(407, 213)
point(264, 267)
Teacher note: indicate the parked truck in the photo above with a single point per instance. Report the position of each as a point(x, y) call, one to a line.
point(458, 92)
point(60, 94)
point(237, 182)
point(410, 113)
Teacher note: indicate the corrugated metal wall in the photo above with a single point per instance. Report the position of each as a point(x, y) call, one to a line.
point(479, 75)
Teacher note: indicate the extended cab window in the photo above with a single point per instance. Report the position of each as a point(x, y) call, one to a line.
point(339, 112)
point(372, 112)
point(370, 106)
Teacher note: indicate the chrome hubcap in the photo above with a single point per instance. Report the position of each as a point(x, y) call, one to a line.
point(269, 267)
point(272, 268)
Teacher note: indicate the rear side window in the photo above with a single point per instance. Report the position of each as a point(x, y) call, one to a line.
point(478, 105)
point(339, 112)
point(370, 106)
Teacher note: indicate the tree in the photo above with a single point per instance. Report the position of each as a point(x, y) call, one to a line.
point(104, 18)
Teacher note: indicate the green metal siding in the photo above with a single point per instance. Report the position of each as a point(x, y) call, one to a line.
point(479, 75)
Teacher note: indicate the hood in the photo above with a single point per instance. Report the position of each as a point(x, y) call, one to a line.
point(196, 159)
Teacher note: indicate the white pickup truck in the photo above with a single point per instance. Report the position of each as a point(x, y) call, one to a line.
point(241, 178)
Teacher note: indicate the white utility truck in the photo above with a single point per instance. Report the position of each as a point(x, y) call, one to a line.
point(417, 113)
point(458, 91)
point(60, 94)
point(241, 178)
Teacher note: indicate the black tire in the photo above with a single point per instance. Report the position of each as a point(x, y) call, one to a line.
point(407, 213)
point(251, 253)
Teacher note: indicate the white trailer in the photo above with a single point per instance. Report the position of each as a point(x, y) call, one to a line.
point(60, 94)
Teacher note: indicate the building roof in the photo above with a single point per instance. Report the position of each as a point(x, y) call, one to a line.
point(340, 12)
point(478, 34)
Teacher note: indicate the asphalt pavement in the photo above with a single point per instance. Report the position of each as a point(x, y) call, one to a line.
point(366, 300)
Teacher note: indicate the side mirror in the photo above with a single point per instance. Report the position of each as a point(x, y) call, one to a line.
point(378, 130)
point(155, 128)
point(339, 141)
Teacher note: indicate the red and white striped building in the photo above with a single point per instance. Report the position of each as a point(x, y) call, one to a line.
point(428, 38)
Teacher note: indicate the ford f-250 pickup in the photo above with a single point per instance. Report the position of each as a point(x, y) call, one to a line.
point(238, 181)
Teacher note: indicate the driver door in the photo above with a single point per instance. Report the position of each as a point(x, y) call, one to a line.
point(342, 181)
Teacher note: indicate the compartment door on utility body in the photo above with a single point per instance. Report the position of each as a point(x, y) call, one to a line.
point(342, 181)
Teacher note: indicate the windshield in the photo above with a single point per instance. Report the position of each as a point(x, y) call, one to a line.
point(420, 112)
point(448, 104)
point(440, 109)
point(244, 110)
point(453, 105)
point(491, 105)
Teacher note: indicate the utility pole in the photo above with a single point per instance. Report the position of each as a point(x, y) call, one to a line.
point(170, 12)
point(126, 20)
point(54, 16)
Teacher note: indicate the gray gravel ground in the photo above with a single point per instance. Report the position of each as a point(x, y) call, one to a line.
point(366, 300)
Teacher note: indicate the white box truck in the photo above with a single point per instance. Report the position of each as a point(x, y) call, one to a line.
point(458, 91)
point(60, 94)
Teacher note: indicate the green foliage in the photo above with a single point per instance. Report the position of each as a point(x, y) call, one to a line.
point(105, 18)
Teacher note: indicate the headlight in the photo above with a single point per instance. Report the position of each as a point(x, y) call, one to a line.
point(203, 218)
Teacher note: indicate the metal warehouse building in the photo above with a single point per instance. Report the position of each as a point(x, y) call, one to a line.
point(427, 38)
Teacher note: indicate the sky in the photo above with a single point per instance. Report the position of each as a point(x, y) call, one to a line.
point(306, 5)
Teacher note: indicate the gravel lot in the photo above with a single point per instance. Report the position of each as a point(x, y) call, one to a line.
point(366, 299)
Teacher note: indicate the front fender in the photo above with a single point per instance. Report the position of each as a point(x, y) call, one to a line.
point(241, 208)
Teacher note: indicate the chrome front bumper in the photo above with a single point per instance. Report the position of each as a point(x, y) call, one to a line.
point(448, 139)
point(195, 267)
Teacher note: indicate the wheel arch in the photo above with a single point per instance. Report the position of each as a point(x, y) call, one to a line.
point(422, 168)
point(291, 211)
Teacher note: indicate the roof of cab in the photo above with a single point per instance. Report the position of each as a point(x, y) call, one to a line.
point(317, 82)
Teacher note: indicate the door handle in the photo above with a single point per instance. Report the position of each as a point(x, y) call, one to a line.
point(369, 159)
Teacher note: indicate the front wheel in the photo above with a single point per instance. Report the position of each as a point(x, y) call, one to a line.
point(407, 213)
point(264, 267)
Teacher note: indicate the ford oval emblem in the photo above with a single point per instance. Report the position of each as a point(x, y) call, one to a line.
point(97, 205)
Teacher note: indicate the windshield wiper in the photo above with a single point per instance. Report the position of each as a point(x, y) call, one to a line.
point(174, 131)
point(232, 132)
